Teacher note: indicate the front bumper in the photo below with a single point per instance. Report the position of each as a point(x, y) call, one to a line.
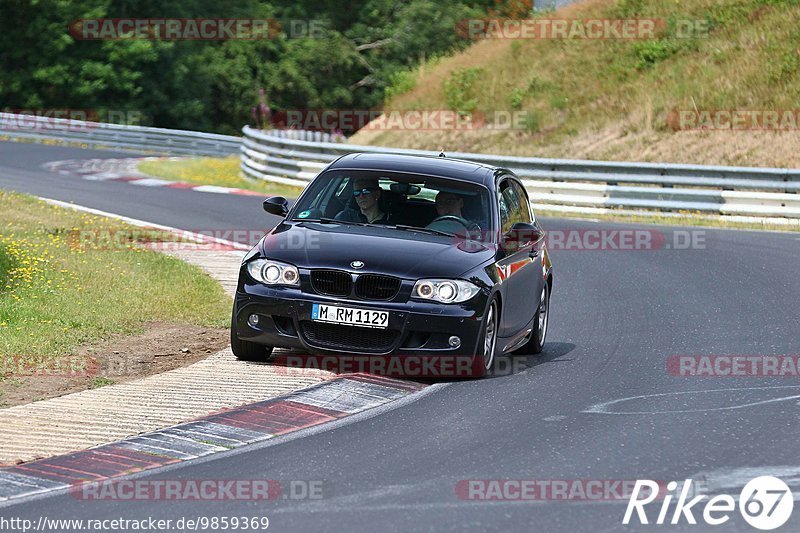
point(414, 328)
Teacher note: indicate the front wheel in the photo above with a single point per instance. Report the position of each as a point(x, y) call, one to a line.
point(535, 343)
point(485, 359)
point(245, 350)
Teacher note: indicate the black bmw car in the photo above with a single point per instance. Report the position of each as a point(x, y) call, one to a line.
point(398, 256)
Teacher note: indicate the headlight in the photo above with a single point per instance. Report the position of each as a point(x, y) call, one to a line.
point(446, 291)
point(271, 272)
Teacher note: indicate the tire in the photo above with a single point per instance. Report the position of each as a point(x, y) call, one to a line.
point(483, 362)
point(248, 351)
point(538, 336)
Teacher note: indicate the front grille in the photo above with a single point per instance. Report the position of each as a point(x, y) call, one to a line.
point(331, 282)
point(354, 338)
point(371, 287)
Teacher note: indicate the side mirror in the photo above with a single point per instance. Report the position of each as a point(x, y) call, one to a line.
point(522, 234)
point(276, 205)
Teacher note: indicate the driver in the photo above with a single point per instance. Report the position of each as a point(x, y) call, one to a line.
point(367, 192)
point(448, 203)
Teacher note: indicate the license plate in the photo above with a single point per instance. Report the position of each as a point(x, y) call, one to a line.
point(350, 316)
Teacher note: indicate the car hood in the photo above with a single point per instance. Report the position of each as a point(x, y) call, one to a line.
point(403, 254)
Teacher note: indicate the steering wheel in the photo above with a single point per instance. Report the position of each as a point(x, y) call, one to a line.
point(453, 218)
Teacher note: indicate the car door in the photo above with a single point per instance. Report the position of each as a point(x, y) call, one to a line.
point(521, 265)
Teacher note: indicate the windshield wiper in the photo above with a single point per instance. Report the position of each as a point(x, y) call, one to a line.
point(325, 220)
point(424, 230)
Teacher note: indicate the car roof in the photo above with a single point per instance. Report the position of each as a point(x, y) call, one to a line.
point(443, 167)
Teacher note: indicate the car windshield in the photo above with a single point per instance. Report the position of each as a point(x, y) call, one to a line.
point(403, 201)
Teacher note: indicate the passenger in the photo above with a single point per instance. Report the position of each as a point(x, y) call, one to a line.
point(367, 193)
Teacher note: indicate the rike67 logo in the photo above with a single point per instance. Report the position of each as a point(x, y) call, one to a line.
point(765, 503)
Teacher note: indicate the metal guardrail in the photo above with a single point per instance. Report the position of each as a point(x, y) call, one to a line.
point(568, 185)
point(295, 157)
point(138, 138)
point(118, 137)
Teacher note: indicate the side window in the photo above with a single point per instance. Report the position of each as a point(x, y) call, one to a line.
point(503, 211)
point(524, 204)
point(509, 206)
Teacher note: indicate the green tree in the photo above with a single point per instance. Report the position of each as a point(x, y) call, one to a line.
point(212, 85)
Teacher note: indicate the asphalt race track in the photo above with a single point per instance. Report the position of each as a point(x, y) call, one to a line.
point(617, 316)
point(20, 164)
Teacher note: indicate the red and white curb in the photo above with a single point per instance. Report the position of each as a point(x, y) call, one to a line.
point(125, 170)
point(215, 433)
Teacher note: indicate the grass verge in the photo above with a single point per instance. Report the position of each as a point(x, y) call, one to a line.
point(55, 297)
point(614, 99)
point(221, 171)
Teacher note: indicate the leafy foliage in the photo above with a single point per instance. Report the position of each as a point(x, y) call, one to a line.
point(359, 53)
point(459, 89)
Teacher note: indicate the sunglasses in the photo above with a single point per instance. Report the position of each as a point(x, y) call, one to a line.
point(365, 192)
